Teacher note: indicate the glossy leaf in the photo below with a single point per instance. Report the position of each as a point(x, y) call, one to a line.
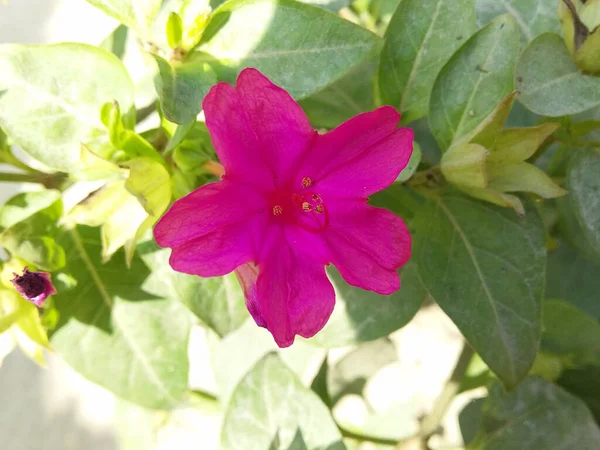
point(582, 382)
point(53, 98)
point(538, 415)
point(116, 42)
point(299, 47)
point(550, 83)
point(181, 87)
point(149, 181)
point(474, 81)
point(137, 14)
point(361, 316)
point(421, 37)
point(270, 400)
point(485, 267)
point(533, 16)
point(115, 332)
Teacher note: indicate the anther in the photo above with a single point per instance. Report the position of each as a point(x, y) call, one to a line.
point(306, 182)
point(319, 209)
point(306, 207)
point(277, 210)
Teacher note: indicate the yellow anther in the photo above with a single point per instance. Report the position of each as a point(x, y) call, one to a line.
point(306, 207)
point(319, 209)
point(306, 182)
point(277, 210)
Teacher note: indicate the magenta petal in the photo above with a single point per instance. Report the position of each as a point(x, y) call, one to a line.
point(368, 245)
point(34, 286)
point(361, 156)
point(257, 129)
point(282, 129)
point(205, 210)
point(293, 294)
point(214, 254)
point(247, 274)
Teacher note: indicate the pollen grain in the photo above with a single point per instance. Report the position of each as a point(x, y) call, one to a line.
point(277, 210)
point(306, 206)
point(306, 182)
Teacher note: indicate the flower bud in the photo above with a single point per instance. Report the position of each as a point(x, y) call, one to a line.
point(34, 286)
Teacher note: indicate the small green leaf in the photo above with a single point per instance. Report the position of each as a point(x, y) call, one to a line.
point(174, 29)
point(32, 225)
point(522, 177)
point(570, 332)
point(583, 383)
point(60, 89)
point(150, 182)
point(550, 83)
point(361, 316)
point(116, 42)
point(465, 166)
point(270, 400)
point(412, 166)
point(514, 145)
point(588, 55)
point(299, 47)
point(538, 415)
point(181, 87)
point(533, 16)
point(485, 267)
point(137, 14)
point(115, 332)
point(474, 81)
point(421, 37)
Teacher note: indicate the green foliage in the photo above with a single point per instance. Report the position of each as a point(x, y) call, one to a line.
point(506, 116)
point(270, 403)
point(482, 263)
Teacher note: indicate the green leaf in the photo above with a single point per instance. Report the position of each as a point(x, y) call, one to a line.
point(523, 177)
point(583, 383)
point(174, 29)
point(116, 333)
point(116, 42)
point(270, 400)
point(533, 16)
point(421, 37)
point(350, 374)
point(412, 165)
point(474, 81)
point(31, 225)
point(514, 145)
point(299, 47)
point(574, 279)
point(53, 98)
point(137, 14)
point(538, 415)
point(150, 182)
point(469, 419)
point(570, 332)
point(181, 87)
point(361, 316)
point(350, 95)
point(465, 165)
point(550, 83)
point(219, 301)
point(485, 267)
point(583, 184)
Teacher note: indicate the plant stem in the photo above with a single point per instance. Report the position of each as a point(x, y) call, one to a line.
point(366, 438)
point(49, 180)
point(431, 422)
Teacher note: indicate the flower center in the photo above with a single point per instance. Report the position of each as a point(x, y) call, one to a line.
point(302, 206)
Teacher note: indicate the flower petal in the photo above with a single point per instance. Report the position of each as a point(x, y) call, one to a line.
point(218, 252)
point(257, 129)
point(360, 157)
point(368, 245)
point(293, 295)
point(206, 209)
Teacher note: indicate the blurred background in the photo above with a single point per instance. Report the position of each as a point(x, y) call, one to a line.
point(55, 409)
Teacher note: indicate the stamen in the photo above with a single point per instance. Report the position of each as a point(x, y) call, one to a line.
point(277, 210)
point(316, 198)
point(319, 209)
point(306, 182)
point(306, 207)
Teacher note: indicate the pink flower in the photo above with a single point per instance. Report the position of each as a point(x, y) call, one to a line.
point(291, 202)
point(34, 286)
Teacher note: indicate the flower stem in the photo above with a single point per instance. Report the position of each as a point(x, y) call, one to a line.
point(431, 422)
point(214, 168)
point(50, 181)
